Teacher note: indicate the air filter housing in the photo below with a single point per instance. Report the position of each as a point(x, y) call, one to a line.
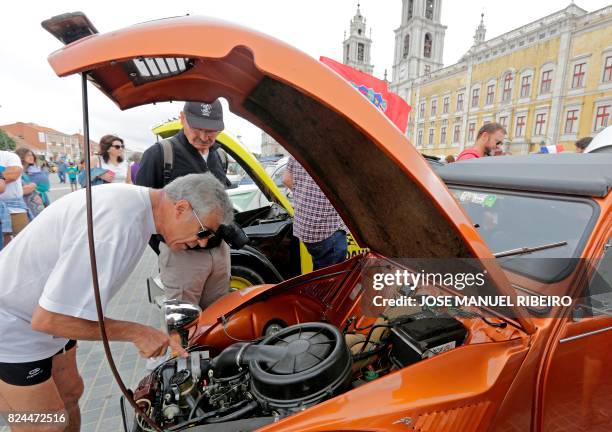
point(317, 364)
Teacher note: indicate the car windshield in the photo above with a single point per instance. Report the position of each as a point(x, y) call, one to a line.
point(508, 221)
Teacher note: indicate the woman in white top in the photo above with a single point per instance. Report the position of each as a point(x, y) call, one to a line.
point(111, 159)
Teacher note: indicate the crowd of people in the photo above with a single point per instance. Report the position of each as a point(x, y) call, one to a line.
point(490, 140)
point(25, 184)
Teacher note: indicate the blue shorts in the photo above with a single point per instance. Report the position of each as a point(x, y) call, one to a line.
point(73, 180)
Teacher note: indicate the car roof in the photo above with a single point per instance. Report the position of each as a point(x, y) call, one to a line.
point(565, 173)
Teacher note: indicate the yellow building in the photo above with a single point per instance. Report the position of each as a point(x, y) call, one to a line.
point(548, 82)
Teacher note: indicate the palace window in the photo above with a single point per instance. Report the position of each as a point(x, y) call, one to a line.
point(546, 83)
point(578, 77)
point(460, 102)
point(571, 121)
point(607, 75)
point(420, 138)
point(360, 51)
point(519, 131)
point(434, 107)
point(503, 120)
point(422, 110)
point(427, 46)
point(471, 132)
point(431, 136)
point(457, 134)
point(475, 97)
point(410, 8)
point(443, 135)
point(525, 86)
point(507, 94)
point(445, 104)
point(490, 94)
point(540, 124)
point(602, 116)
point(406, 46)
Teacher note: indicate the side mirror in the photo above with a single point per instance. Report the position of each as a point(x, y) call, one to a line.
point(180, 316)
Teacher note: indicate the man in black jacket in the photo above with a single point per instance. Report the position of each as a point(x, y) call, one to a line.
point(199, 276)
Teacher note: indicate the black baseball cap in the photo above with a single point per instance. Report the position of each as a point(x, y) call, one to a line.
point(204, 116)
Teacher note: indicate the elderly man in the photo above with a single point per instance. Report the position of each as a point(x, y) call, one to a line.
point(200, 275)
point(46, 295)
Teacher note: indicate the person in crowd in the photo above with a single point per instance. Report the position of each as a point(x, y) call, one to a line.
point(111, 159)
point(316, 223)
point(43, 312)
point(135, 166)
point(199, 276)
point(45, 167)
point(3, 209)
point(61, 170)
point(15, 213)
point(582, 144)
point(72, 172)
point(33, 174)
point(488, 140)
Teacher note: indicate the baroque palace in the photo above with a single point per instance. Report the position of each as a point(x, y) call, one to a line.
point(548, 82)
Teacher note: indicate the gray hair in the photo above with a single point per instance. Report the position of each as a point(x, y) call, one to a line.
point(204, 192)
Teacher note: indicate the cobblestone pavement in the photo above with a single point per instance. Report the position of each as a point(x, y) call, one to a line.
point(100, 401)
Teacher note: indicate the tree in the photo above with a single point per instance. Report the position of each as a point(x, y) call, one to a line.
point(6, 142)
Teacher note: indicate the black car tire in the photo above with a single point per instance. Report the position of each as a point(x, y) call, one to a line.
point(243, 277)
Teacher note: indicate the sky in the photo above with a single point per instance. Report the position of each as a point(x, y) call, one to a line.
point(31, 92)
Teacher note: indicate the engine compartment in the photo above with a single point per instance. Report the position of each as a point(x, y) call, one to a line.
point(288, 370)
point(304, 341)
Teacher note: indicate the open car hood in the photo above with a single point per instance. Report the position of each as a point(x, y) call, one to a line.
point(383, 188)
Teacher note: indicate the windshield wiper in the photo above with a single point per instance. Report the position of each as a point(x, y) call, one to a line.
point(524, 250)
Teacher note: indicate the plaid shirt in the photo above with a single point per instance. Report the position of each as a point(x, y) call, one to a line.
point(315, 218)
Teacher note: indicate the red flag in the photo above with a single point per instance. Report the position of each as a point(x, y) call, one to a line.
point(376, 90)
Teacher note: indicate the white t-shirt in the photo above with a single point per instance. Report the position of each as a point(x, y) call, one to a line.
point(119, 170)
point(13, 189)
point(48, 264)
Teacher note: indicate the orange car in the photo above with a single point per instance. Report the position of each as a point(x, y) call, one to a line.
point(336, 349)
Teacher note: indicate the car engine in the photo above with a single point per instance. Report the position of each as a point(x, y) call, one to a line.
point(289, 371)
point(250, 384)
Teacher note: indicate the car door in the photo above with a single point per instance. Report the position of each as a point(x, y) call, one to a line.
point(578, 390)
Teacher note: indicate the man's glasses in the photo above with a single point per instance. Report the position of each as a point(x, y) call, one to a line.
point(204, 232)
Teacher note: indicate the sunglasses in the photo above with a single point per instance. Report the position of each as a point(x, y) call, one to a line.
point(118, 146)
point(204, 232)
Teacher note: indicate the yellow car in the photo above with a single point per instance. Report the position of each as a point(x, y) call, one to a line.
point(273, 253)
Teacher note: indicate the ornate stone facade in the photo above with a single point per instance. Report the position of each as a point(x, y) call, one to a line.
point(548, 82)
